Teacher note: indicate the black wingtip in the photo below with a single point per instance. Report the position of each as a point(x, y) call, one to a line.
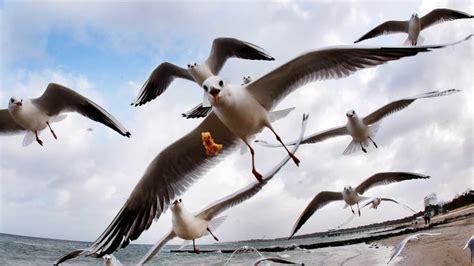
point(127, 134)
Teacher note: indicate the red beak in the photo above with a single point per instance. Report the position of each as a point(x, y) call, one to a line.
point(215, 94)
point(18, 104)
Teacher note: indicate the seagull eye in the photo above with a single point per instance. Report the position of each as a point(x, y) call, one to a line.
point(221, 83)
point(180, 200)
point(11, 100)
point(205, 88)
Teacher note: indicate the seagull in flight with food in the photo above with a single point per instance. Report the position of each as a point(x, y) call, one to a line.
point(34, 115)
point(222, 49)
point(180, 164)
point(352, 196)
point(363, 130)
point(190, 226)
point(375, 202)
point(415, 25)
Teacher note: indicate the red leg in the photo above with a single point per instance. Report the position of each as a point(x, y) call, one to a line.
point(254, 171)
point(37, 138)
point(54, 134)
point(196, 250)
point(295, 160)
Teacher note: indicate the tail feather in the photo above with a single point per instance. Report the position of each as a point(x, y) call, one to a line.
point(275, 115)
point(29, 138)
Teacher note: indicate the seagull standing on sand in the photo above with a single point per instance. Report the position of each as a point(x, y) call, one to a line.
point(245, 109)
point(180, 164)
point(376, 202)
point(470, 245)
point(36, 114)
point(222, 49)
point(415, 25)
point(190, 227)
point(352, 196)
point(363, 130)
point(398, 249)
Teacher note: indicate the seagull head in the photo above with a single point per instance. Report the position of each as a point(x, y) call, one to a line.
point(414, 16)
point(348, 190)
point(216, 90)
point(177, 204)
point(192, 65)
point(351, 113)
point(15, 102)
point(246, 80)
point(107, 258)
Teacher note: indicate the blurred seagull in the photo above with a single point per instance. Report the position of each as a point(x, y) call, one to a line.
point(180, 164)
point(398, 249)
point(276, 260)
point(352, 196)
point(363, 130)
point(36, 114)
point(470, 244)
point(111, 260)
point(190, 227)
point(222, 49)
point(415, 25)
point(376, 202)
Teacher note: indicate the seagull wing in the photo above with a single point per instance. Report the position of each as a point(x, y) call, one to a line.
point(396, 106)
point(69, 256)
point(388, 27)
point(170, 173)
point(224, 48)
point(199, 111)
point(385, 178)
point(401, 245)
point(58, 99)
point(318, 202)
point(249, 191)
point(470, 242)
point(276, 260)
point(328, 63)
point(159, 81)
point(368, 203)
point(157, 247)
point(441, 15)
point(8, 125)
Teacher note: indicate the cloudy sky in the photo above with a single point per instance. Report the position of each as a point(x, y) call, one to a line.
point(73, 187)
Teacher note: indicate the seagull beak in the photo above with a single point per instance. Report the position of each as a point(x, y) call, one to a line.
point(215, 94)
point(18, 104)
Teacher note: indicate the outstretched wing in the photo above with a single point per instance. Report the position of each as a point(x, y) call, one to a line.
point(441, 15)
point(199, 111)
point(157, 247)
point(394, 201)
point(8, 125)
point(159, 81)
point(225, 48)
point(319, 201)
point(329, 63)
point(249, 191)
point(396, 106)
point(385, 178)
point(388, 27)
point(58, 99)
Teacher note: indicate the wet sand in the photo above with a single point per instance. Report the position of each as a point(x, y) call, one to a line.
point(444, 249)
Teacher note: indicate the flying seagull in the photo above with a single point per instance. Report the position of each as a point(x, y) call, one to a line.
point(415, 24)
point(180, 164)
point(278, 260)
point(470, 245)
point(190, 227)
point(398, 249)
point(374, 203)
point(363, 130)
point(222, 49)
point(245, 109)
point(34, 115)
point(200, 111)
point(352, 196)
point(111, 260)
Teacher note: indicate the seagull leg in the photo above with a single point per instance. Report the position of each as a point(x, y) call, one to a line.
point(362, 147)
point(54, 134)
point(295, 160)
point(209, 230)
point(196, 250)
point(375, 144)
point(358, 208)
point(37, 138)
point(254, 171)
point(352, 210)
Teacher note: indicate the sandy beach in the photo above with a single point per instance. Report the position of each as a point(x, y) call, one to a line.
point(445, 249)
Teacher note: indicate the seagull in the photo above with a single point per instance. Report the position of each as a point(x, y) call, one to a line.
point(363, 130)
point(111, 260)
point(180, 164)
point(277, 260)
point(398, 249)
point(376, 202)
point(352, 196)
point(415, 24)
point(37, 114)
point(222, 49)
point(190, 227)
point(470, 244)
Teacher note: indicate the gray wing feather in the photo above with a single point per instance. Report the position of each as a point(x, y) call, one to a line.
point(319, 201)
point(385, 178)
point(249, 191)
point(441, 15)
point(198, 111)
point(69, 256)
point(224, 48)
point(159, 81)
point(58, 99)
point(157, 247)
point(8, 125)
point(329, 63)
point(388, 27)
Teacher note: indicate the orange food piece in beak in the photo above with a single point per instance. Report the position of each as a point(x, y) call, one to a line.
point(211, 147)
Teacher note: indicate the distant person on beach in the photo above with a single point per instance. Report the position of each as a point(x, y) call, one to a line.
point(427, 217)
